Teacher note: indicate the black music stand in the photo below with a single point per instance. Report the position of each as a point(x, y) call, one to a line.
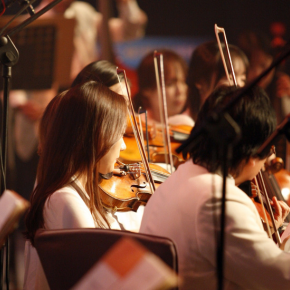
point(46, 49)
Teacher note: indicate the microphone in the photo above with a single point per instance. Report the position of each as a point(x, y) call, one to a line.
point(4, 4)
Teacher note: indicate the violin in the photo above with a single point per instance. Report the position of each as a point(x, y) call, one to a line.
point(178, 133)
point(263, 213)
point(127, 188)
point(156, 145)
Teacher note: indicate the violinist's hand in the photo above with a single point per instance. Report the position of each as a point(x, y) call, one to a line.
point(281, 210)
point(285, 246)
point(254, 190)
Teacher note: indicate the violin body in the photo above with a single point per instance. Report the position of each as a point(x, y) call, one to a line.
point(265, 218)
point(127, 192)
point(178, 133)
point(156, 153)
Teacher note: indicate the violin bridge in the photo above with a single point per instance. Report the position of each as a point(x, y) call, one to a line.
point(135, 171)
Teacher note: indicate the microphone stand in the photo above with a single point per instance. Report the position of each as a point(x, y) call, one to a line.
point(224, 132)
point(9, 56)
point(212, 120)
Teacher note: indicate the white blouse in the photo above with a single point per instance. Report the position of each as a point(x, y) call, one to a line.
point(65, 209)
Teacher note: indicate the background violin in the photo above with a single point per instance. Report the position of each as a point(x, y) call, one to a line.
point(178, 133)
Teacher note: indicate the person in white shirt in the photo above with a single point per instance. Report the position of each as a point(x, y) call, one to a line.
point(187, 206)
point(84, 140)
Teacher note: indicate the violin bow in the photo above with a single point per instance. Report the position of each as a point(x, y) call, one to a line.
point(269, 208)
point(263, 208)
point(218, 30)
point(136, 130)
point(259, 176)
point(160, 82)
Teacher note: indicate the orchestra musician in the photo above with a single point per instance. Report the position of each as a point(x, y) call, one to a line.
point(129, 25)
point(175, 71)
point(104, 72)
point(84, 140)
point(186, 207)
point(277, 83)
point(206, 72)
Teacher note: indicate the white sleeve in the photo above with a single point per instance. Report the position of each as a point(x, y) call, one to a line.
point(252, 260)
point(181, 119)
point(65, 209)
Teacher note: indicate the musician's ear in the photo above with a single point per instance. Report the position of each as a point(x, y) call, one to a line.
point(252, 161)
point(249, 169)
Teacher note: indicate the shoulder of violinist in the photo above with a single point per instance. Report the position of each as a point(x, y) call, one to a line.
point(181, 119)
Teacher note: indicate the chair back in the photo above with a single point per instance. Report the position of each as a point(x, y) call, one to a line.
point(67, 255)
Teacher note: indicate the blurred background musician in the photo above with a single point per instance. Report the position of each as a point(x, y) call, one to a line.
point(89, 23)
point(175, 71)
point(257, 47)
point(206, 72)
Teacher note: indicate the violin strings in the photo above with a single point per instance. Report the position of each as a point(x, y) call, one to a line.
point(257, 188)
point(153, 170)
point(159, 173)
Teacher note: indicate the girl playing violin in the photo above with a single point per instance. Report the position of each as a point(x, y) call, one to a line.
point(175, 71)
point(83, 141)
point(105, 72)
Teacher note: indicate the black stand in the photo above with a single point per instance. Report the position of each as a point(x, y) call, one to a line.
point(9, 57)
point(225, 133)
